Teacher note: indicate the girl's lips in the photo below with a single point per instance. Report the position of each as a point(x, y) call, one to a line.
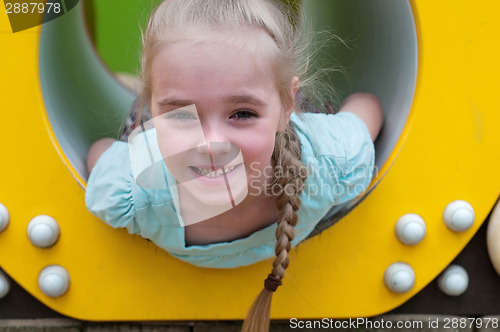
point(208, 172)
point(215, 179)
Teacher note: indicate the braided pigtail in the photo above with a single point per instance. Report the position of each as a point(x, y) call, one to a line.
point(292, 175)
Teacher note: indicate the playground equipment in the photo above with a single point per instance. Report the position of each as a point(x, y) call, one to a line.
point(431, 64)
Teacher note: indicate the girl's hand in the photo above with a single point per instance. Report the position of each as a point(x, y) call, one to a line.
point(368, 108)
point(96, 150)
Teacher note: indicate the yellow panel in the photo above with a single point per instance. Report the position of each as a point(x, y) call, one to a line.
point(449, 150)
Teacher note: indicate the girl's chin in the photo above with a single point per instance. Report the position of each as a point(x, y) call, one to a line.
point(196, 206)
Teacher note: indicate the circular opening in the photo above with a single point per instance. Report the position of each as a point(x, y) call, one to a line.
point(84, 101)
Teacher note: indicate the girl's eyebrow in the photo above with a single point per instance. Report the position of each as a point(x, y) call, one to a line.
point(175, 102)
point(236, 99)
point(244, 99)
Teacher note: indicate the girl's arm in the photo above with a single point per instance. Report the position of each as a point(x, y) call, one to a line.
point(368, 108)
point(96, 150)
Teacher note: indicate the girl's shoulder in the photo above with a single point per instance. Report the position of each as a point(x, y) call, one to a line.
point(118, 194)
point(341, 135)
point(339, 155)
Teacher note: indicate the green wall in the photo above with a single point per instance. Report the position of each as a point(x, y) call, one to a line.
point(115, 28)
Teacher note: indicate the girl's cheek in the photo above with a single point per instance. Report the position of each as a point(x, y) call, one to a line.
point(257, 144)
point(258, 157)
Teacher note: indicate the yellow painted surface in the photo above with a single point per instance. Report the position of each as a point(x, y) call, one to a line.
point(449, 150)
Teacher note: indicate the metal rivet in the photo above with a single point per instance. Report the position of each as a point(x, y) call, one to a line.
point(459, 216)
point(43, 231)
point(4, 285)
point(410, 229)
point(454, 281)
point(54, 280)
point(4, 217)
point(399, 277)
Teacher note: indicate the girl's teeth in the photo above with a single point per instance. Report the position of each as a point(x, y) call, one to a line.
point(212, 174)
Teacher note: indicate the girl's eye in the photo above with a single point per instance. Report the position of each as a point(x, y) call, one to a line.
point(243, 115)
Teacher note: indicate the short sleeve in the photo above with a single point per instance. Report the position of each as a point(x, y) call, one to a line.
point(339, 154)
point(110, 193)
point(357, 171)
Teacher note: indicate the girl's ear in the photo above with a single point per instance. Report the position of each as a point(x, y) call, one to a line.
point(294, 87)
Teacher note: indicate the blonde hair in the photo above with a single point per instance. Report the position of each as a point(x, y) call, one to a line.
point(288, 50)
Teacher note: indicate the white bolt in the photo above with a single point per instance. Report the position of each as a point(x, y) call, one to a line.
point(4, 217)
point(454, 280)
point(459, 216)
point(4, 285)
point(54, 280)
point(43, 231)
point(410, 229)
point(399, 277)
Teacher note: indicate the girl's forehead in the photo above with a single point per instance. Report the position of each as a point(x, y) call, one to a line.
point(217, 62)
point(254, 41)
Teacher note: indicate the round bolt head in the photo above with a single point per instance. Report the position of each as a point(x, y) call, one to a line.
point(4, 217)
point(410, 229)
point(399, 277)
point(54, 281)
point(4, 285)
point(454, 281)
point(43, 231)
point(459, 216)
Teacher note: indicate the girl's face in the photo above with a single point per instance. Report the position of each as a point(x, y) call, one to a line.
point(217, 108)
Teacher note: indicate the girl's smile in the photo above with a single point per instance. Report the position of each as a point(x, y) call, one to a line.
point(213, 172)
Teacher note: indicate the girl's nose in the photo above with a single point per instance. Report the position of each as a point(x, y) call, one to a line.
point(215, 141)
point(219, 148)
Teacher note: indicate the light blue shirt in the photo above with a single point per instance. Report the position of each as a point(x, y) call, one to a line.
point(337, 150)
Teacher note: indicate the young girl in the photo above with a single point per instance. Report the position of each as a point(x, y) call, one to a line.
point(233, 68)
